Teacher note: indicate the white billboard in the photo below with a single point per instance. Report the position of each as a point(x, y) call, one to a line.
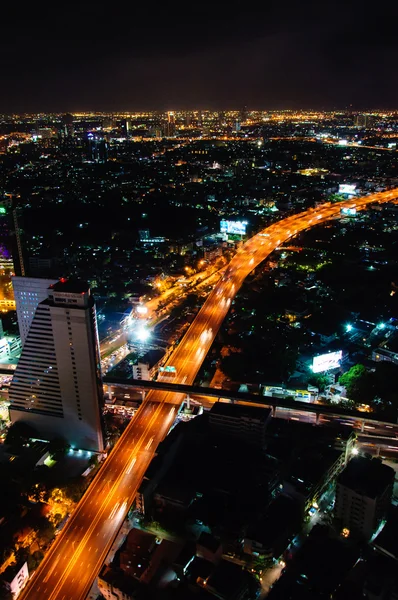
point(350, 212)
point(347, 188)
point(237, 227)
point(325, 362)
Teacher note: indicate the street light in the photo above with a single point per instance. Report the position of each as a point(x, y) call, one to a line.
point(143, 334)
point(382, 325)
point(348, 328)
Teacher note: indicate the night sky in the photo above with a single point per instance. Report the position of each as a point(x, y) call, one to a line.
point(70, 56)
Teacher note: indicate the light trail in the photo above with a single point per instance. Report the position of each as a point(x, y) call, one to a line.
point(71, 565)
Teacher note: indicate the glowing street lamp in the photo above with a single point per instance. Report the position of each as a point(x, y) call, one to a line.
point(348, 328)
point(143, 334)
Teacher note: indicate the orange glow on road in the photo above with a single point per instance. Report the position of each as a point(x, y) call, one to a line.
point(68, 570)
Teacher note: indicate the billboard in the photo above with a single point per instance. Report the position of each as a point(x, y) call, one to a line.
point(238, 227)
point(347, 188)
point(325, 362)
point(349, 212)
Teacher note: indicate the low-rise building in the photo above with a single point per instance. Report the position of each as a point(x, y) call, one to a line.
point(247, 423)
point(15, 578)
point(363, 496)
point(310, 474)
point(209, 548)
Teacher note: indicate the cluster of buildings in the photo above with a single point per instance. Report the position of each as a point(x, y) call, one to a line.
point(236, 492)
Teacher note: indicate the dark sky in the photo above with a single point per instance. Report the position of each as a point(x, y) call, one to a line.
point(70, 56)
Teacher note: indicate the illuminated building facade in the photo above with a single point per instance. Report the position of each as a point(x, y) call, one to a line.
point(171, 124)
point(57, 383)
point(28, 293)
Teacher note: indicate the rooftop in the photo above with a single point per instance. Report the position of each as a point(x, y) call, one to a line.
point(239, 411)
point(71, 286)
point(366, 476)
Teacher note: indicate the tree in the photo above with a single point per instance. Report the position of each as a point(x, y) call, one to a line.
point(318, 380)
point(19, 433)
point(360, 384)
point(46, 530)
point(5, 592)
point(74, 490)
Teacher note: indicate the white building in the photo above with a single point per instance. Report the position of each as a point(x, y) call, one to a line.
point(363, 495)
point(247, 423)
point(57, 383)
point(28, 292)
point(16, 576)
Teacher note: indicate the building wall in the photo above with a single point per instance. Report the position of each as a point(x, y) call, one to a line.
point(355, 511)
point(19, 580)
point(251, 430)
point(28, 293)
point(57, 386)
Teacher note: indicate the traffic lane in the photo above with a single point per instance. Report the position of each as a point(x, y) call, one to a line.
point(161, 427)
point(101, 484)
point(99, 534)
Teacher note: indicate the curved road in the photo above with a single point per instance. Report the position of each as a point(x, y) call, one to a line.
point(69, 568)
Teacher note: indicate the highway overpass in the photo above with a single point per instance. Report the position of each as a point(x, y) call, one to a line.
point(218, 394)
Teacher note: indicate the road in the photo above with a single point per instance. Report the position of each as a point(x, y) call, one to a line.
point(75, 558)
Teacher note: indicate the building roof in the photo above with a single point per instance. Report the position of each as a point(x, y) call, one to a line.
point(135, 557)
point(227, 579)
point(366, 476)
point(240, 411)
point(70, 286)
point(208, 541)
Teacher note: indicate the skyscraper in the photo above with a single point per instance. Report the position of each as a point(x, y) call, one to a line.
point(28, 293)
point(171, 124)
point(68, 125)
point(10, 235)
point(57, 383)
point(364, 120)
point(125, 126)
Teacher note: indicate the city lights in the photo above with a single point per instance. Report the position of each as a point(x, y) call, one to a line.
point(142, 334)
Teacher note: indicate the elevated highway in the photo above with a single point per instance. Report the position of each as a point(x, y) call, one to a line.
point(358, 419)
point(76, 556)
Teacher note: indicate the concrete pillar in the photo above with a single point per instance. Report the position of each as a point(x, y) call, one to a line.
point(143, 392)
point(317, 418)
point(273, 408)
point(188, 401)
point(362, 426)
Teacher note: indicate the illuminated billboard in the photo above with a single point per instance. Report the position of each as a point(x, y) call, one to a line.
point(347, 188)
point(238, 227)
point(325, 362)
point(349, 212)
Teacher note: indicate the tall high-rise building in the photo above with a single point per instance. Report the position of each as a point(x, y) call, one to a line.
point(28, 293)
point(125, 126)
point(364, 120)
point(171, 124)
point(57, 383)
point(68, 125)
point(10, 236)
